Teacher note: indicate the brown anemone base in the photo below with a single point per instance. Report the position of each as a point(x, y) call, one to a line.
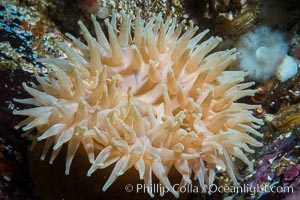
point(51, 183)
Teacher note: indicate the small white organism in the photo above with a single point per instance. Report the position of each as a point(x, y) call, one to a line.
point(262, 54)
point(287, 69)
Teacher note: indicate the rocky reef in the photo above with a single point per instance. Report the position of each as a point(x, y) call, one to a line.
point(29, 28)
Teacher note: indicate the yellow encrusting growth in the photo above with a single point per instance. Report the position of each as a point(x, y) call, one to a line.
point(151, 100)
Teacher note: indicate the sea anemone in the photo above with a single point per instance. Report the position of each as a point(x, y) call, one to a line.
point(262, 51)
point(151, 100)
